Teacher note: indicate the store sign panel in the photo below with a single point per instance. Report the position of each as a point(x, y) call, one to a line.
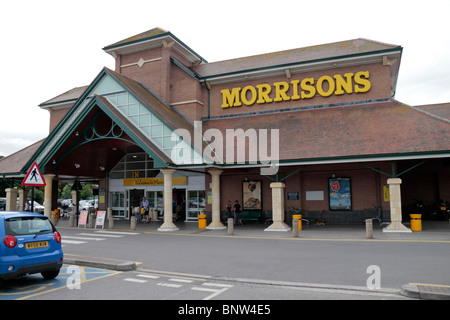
point(306, 88)
point(152, 181)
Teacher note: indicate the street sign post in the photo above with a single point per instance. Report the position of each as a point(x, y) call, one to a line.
point(34, 178)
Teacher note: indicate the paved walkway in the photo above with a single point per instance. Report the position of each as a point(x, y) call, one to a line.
point(432, 231)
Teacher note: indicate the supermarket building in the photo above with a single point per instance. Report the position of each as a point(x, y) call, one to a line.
point(315, 128)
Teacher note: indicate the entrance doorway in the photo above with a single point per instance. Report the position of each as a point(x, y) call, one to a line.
point(179, 204)
point(134, 197)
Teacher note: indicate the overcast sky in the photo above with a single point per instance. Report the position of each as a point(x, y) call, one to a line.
point(49, 47)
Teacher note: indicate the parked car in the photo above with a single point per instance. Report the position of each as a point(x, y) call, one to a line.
point(88, 205)
point(29, 243)
point(65, 203)
point(38, 208)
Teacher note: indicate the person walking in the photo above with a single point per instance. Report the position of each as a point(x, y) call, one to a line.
point(144, 208)
point(237, 210)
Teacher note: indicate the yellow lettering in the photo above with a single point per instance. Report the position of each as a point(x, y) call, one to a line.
point(345, 84)
point(231, 99)
point(363, 82)
point(263, 93)
point(301, 89)
point(331, 86)
point(308, 88)
point(295, 95)
point(280, 93)
point(244, 95)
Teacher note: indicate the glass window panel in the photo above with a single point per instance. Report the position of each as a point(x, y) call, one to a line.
point(152, 173)
point(159, 199)
point(133, 109)
point(168, 143)
point(122, 99)
point(133, 157)
point(107, 85)
point(155, 120)
point(158, 141)
point(134, 174)
point(167, 131)
point(117, 199)
point(144, 119)
point(146, 130)
point(143, 109)
point(201, 199)
point(112, 99)
point(156, 131)
point(136, 166)
point(123, 109)
point(132, 100)
point(119, 166)
point(116, 175)
point(134, 119)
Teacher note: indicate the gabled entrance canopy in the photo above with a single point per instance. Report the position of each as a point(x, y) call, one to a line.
point(114, 116)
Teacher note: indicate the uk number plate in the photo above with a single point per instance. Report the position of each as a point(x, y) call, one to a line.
point(34, 245)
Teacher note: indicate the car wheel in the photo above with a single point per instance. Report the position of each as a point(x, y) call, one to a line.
point(50, 274)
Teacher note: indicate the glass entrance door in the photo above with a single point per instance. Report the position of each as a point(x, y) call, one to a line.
point(134, 197)
point(117, 203)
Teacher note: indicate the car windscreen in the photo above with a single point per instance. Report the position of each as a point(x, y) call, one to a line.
point(28, 225)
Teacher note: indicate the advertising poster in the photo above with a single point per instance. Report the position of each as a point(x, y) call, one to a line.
point(340, 194)
point(83, 218)
point(251, 195)
point(100, 220)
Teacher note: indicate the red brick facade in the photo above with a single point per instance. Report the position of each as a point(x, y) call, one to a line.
point(333, 105)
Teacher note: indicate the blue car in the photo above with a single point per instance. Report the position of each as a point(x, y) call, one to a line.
point(29, 243)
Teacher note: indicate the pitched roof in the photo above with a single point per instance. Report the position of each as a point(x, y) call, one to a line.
point(359, 131)
point(300, 55)
point(15, 163)
point(139, 37)
point(153, 38)
point(69, 96)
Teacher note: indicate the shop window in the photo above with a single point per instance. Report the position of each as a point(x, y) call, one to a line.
point(134, 165)
point(196, 202)
point(155, 199)
point(117, 203)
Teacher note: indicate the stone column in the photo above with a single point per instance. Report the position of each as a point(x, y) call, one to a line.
point(168, 224)
point(48, 194)
point(277, 208)
point(22, 199)
point(215, 177)
point(396, 207)
point(11, 198)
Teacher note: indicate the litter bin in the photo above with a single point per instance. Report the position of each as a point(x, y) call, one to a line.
point(416, 222)
point(299, 217)
point(202, 221)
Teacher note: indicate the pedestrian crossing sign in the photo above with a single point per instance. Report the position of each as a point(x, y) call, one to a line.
point(34, 177)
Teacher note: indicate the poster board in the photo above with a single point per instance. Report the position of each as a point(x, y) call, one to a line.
point(100, 220)
point(340, 194)
point(82, 220)
point(251, 195)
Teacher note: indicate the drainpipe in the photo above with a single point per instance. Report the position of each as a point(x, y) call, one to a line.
point(208, 87)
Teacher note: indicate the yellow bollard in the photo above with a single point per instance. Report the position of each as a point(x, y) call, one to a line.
point(299, 217)
point(416, 222)
point(202, 221)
